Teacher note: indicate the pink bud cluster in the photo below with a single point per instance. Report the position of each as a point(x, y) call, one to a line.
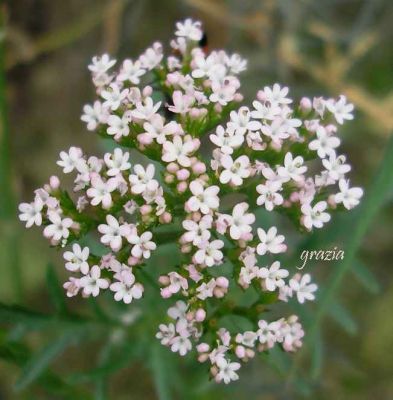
point(276, 154)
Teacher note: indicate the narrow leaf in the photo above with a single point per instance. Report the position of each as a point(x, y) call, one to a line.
point(56, 292)
point(366, 277)
point(160, 371)
point(41, 361)
point(343, 317)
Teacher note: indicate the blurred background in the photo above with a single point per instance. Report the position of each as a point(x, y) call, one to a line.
point(52, 348)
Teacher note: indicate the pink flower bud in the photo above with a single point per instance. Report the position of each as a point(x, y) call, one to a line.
point(194, 113)
point(147, 91)
point(172, 167)
point(169, 178)
point(164, 280)
point(250, 353)
point(182, 187)
point(190, 316)
point(217, 108)
point(144, 139)
point(331, 201)
point(185, 249)
point(166, 293)
point(166, 218)
point(222, 282)
point(133, 261)
point(199, 168)
point(183, 174)
point(238, 97)
point(305, 104)
point(172, 79)
point(200, 315)
point(197, 143)
point(54, 182)
point(203, 348)
point(240, 351)
point(145, 209)
point(261, 96)
point(203, 357)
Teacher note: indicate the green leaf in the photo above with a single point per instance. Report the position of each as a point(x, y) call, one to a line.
point(317, 357)
point(18, 314)
point(366, 277)
point(160, 370)
point(56, 292)
point(38, 364)
point(342, 316)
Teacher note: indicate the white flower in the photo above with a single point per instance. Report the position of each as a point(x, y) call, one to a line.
point(315, 215)
point(225, 140)
point(142, 180)
point(293, 168)
point(181, 345)
point(59, 227)
point(340, 109)
point(72, 286)
point(336, 166)
point(94, 115)
point(92, 283)
point(142, 244)
point(277, 130)
point(114, 97)
point(189, 29)
point(100, 65)
point(151, 57)
point(303, 288)
point(178, 311)
point(240, 122)
point(145, 110)
point(273, 276)
point(198, 232)
point(264, 111)
point(118, 127)
point(166, 333)
point(72, 160)
point(182, 103)
point(178, 151)
point(77, 259)
point(240, 222)
point(236, 64)
point(100, 191)
point(222, 94)
point(113, 232)
point(226, 370)
point(156, 129)
point(117, 162)
point(324, 144)
point(350, 197)
point(126, 289)
point(247, 338)
point(205, 290)
point(275, 95)
point(270, 242)
point(31, 212)
point(177, 282)
point(203, 199)
point(267, 333)
point(210, 253)
point(131, 71)
point(269, 195)
point(234, 171)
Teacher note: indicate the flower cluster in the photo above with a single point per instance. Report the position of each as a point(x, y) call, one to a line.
point(277, 154)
